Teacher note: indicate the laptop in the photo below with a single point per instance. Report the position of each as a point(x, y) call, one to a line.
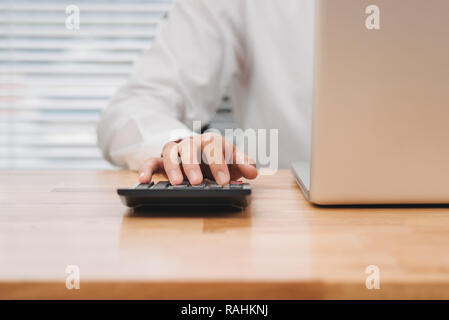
point(380, 128)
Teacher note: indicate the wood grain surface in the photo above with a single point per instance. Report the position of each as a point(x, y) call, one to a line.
point(280, 247)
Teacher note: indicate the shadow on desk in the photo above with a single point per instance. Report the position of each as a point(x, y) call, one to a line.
point(159, 225)
point(186, 212)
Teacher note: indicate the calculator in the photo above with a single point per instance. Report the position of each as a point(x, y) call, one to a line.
point(208, 194)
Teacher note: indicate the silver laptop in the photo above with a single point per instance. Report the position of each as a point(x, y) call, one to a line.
point(381, 104)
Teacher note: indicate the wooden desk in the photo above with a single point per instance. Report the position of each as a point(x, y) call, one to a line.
point(280, 247)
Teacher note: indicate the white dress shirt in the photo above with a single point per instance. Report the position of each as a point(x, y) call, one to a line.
point(258, 51)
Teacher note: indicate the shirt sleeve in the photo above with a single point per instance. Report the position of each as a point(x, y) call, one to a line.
point(180, 79)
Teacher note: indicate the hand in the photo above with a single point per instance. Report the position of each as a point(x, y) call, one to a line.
point(209, 155)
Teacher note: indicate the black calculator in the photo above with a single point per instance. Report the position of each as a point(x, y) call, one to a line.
point(207, 194)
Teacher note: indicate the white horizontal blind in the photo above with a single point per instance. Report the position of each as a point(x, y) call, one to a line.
point(54, 81)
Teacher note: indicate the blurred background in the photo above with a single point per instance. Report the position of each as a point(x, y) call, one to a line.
point(54, 81)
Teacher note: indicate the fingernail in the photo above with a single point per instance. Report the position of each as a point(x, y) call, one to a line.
point(174, 175)
point(221, 177)
point(142, 175)
point(194, 175)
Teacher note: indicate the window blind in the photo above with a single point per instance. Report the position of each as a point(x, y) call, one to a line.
point(54, 81)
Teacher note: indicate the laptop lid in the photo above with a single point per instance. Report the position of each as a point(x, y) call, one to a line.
point(381, 102)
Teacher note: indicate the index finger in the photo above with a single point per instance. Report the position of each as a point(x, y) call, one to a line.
point(171, 163)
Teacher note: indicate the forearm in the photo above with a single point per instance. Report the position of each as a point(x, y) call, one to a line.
point(180, 79)
point(131, 131)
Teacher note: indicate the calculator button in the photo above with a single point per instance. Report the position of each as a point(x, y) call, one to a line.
point(181, 186)
point(214, 185)
point(160, 185)
point(199, 187)
point(144, 186)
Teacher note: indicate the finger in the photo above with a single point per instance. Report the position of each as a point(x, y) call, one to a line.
point(246, 165)
point(148, 168)
point(242, 161)
point(235, 173)
point(171, 163)
point(188, 150)
point(213, 151)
